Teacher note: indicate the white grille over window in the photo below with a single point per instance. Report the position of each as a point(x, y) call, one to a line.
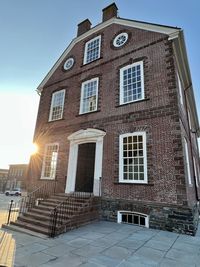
point(120, 39)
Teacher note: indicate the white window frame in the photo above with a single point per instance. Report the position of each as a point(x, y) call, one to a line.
point(121, 82)
point(44, 159)
point(119, 217)
point(86, 49)
point(52, 100)
point(82, 92)
point(121, 167)
point(187, 161)
point(180, 88)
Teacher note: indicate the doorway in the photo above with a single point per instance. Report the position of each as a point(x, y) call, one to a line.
point(85, 167)
point(92, 140)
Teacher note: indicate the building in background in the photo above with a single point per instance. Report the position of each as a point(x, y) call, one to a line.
point(117, 118)
point(17, 175)
point(3, 179)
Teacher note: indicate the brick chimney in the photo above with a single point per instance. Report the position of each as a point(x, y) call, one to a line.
point(83, 27)
point(109, 12)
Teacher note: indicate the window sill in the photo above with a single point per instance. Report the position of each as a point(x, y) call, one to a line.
point(126, 183)
point(56, 120)
point(86, 64)
point(47, 178)
point(88, 113)
point(129, 103)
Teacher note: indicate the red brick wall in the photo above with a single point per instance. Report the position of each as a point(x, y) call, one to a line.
point(158, 115)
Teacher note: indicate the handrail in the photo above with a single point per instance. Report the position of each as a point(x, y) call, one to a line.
point(27, 202)
point(63, 210)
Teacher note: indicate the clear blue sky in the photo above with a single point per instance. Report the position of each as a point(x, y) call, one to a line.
point(34, 33)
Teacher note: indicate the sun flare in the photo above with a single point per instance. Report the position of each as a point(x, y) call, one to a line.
point(34, 149)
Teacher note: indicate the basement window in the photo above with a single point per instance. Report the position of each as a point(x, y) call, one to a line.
point(128, 217)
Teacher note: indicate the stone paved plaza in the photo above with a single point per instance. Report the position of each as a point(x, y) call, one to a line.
point(108, 244)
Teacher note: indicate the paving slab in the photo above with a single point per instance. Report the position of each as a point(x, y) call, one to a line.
point(149, 254)
point(131, 244)
point(183, 257)
point(169, 263)
point(79, 242)
point(160, 245)
point(88, 251)
point(33, 260)
point(105, 261)
point(117, 252)
point(59, 250)
point(65, 261)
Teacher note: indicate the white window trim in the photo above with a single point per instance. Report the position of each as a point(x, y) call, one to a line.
point(97, 92)
point(180, 88)
point(43, 163)
point(121, 82)
point(86, 49)
point(187, 161)
point(119, 217)
point(121, 180)
point(51, 109)
point(118, 36)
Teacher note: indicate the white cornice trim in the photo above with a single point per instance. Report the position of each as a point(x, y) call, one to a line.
point(172, 32)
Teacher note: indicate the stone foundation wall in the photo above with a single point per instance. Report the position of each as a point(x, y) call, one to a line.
point(173, 218)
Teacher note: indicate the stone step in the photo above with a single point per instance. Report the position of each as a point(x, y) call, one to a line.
point(37, 215)
point(32, 227)
point(31, 220)
point(55, 204)
point(16, 228)
point(64, 208)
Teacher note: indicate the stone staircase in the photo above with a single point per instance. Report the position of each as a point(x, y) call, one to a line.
point(59, 213)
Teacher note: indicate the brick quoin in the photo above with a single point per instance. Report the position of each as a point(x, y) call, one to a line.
point(168, 199)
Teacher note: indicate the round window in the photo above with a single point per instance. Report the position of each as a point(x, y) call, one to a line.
point(120, 39)
point(69, 63)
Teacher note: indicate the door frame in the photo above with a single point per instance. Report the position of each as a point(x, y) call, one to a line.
point(80, 137)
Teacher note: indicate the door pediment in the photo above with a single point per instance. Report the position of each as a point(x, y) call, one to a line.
point(86, 135)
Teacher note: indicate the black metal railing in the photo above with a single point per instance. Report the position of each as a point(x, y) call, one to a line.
point(60, 217)
point(31, 200)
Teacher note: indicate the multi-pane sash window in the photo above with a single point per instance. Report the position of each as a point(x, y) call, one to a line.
point(57, 105)
point(50, 161)
point(133, 161)
point(89, 96)
point(131, 83)
point(92, 50)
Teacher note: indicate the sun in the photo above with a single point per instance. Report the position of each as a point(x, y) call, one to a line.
point(34, 149)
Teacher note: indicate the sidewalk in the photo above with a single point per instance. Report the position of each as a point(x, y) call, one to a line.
point(109, 244)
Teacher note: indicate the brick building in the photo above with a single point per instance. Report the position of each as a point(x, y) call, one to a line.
point(117, 117)
point(17, 174)
point(3, 179)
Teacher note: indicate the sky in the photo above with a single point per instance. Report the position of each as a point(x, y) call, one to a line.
point(33, 35)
